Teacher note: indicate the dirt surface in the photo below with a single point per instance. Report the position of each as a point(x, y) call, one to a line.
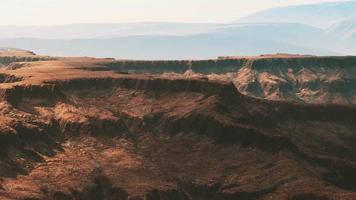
point(74, 128)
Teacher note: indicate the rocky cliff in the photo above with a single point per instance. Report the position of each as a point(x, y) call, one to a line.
point(302, 79)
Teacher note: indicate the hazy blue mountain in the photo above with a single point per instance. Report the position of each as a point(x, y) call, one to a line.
point(344, 30)
point(239, 39)
point(320, 29)
point(319, 15)
point(80, 31)
point(289, 33)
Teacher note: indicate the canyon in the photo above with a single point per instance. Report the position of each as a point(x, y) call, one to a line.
point(265, 127)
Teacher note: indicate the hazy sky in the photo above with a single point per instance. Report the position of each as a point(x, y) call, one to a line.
point(50, 12)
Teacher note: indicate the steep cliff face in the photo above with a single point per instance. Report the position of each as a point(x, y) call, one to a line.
point(178, 66)
point(309, 80)
point(7, 60)
point(303, 79)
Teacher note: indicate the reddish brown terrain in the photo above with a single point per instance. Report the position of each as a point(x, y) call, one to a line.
point(95, 129)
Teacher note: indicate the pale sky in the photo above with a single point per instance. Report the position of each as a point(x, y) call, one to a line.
point(54, 12)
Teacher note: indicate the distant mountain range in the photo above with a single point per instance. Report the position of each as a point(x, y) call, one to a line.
point(86, 31)
point(319, 29)
point(320, 15)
